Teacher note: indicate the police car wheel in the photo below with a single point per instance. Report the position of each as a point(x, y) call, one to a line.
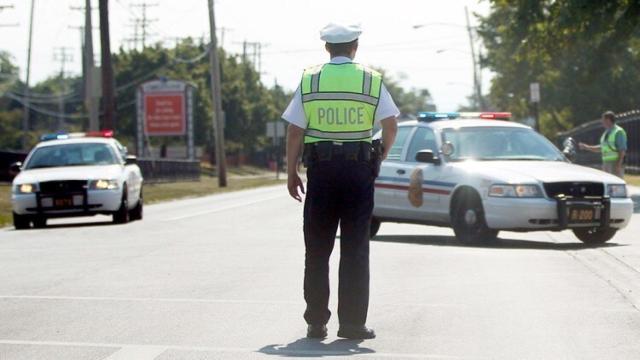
point(137, 212)
point(39, 222)
point(21, 222)
point(595, 236)
point(122, 215)
point(375, 226)
point(468, 220)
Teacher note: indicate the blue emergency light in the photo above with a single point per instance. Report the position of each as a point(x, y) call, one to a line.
point(433, 116)
point(56, 136)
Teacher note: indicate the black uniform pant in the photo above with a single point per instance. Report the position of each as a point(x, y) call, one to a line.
point(338, 192)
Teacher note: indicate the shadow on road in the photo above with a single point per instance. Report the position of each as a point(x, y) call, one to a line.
point(507, 244)
point(78, 224)
point(306, 347)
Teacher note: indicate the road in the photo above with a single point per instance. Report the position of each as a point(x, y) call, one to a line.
point(221, 278)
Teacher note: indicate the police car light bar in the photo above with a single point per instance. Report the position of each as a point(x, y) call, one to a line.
point(434, 116)
point(486, 115)
point(63, 136)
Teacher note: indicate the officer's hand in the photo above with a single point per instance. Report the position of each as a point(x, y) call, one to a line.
point(293, 183)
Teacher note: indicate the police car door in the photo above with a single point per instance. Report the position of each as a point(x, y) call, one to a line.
point(424, 138)
point(389, 185)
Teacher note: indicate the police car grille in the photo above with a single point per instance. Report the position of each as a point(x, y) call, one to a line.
point(574, 189)
point(62, 187)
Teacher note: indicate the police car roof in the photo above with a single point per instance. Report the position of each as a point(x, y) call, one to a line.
point(457, 123)
point(80, 140)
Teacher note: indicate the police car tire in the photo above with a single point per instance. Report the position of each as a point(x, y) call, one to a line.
point(137, 212)
point(375, 226)
point(122, 215)
point(595, 236)
point(39, 222)
point(21, 222)
point(479, 232)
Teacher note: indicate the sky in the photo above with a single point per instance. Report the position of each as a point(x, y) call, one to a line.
point(436, 56)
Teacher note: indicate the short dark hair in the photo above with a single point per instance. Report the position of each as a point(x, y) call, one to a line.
point(609, 115)
point(342, 48)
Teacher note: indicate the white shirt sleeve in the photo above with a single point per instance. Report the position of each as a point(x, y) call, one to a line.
point(386, 106)
point(294, 114)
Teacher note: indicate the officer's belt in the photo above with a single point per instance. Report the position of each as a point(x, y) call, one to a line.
point(331, 150)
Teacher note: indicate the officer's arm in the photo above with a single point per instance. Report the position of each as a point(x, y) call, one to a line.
point(295, 136)
point(389, 131)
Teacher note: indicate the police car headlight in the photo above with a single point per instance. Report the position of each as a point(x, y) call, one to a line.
point(515, 191)
point(25, 188)
point(103, 185)
point(617, 191)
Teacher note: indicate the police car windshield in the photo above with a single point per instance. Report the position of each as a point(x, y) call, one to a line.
point(71, 155)
point(499, 143)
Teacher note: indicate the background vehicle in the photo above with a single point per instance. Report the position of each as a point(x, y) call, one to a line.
point(482, 175)
point(76, 175)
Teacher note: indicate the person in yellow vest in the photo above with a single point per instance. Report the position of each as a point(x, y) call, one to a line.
point(613, 145)
point(333, 113)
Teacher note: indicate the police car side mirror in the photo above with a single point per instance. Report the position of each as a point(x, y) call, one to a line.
point(131, 160)
point(427, 157)
point(15, 168)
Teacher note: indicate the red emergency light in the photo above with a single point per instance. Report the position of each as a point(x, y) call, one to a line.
point(496, 115)
point(101, 133)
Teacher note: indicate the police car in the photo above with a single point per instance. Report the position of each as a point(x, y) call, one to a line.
point(79, 174)
point(482, 174)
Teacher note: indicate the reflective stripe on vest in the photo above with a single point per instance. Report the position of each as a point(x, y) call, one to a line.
point(608, 144)
point(340, 101)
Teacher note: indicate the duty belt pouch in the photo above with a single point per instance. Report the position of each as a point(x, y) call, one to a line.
point(351, 151)
point(324, 151)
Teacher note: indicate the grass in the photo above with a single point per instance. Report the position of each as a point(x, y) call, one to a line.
point(207, 185)
point(632, 180)
point(5, 204)
point(154, 193)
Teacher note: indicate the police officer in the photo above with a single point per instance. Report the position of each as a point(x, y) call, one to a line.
point(333, 112)
point(613, 145)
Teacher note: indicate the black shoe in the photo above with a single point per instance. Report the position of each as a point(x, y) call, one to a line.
point(316, 331)
point(356, 332)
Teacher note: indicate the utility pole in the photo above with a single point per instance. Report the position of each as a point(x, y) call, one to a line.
point(25, 119)
point(62, 55)
point(221, 161)
point(135, 38)
point(476, 83)
point(91, 99)
point(108, 83)
point(144, 21)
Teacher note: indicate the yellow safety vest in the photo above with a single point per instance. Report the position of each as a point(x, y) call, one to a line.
point(608, 144)
point(340, 102)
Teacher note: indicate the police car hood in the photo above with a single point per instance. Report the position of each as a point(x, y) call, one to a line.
point(105, 172)
point(519, 172)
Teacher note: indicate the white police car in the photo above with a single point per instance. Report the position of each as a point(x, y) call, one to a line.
point(482, 175)
point(76, 175)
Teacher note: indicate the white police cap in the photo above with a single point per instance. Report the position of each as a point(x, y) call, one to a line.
point(335, 33)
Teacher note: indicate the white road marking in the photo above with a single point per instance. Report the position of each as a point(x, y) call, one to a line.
point(146, 299)
point(223, 208)
point(137, 353)
point(274, 302)
point(277, 350)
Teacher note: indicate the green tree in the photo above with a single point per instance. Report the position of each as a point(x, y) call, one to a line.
point(585, 55)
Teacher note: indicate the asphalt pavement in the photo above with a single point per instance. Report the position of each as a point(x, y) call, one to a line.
point(220, 277)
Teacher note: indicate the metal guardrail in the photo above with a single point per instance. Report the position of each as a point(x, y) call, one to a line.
point(167, 170)
point(591, 132)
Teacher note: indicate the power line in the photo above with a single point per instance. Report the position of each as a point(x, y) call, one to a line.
point(143, 22)
point(62, 55)
point(4, 7)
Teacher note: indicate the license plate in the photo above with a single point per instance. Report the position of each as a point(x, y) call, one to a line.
point(582, 214)
point(63, 202)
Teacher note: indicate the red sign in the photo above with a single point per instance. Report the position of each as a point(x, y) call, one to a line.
point(164, 113)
